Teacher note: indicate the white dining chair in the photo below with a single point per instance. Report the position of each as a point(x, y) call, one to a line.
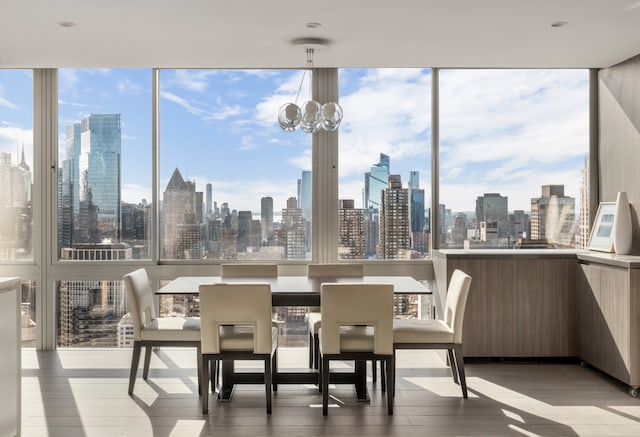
point(357, 324)
point(236, 325)
point(440, 334)
point(150, 331)
point(332, 270)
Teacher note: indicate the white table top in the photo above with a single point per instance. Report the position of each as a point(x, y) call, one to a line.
point(295, 285)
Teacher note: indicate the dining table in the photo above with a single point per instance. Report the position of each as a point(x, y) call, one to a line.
point(293, 291)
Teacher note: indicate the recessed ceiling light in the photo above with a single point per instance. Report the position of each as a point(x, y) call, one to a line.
point(558, 24)
point(313, 25)
point(66, 23)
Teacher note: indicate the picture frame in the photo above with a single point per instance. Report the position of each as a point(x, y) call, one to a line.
point(601, 237)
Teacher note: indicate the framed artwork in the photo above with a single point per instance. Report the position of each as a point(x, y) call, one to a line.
point(601, 237)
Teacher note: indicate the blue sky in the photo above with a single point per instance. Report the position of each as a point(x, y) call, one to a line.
point(507, 131)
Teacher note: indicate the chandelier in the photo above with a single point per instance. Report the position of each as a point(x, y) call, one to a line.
point(311, 116)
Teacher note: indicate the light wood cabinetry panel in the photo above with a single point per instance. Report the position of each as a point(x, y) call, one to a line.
point(609, 308)
point(517, 306)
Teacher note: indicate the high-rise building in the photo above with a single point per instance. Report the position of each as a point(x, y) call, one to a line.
point(244, 230)
point(178, 208)
point(266, 219)
point(491, 208)
point(293, 231)
point(99, 171)
point(209, 199)
point(89, 311)
point(305, 195)
point(416, 205)
point(394, 221)
point(15, 208)
point(351, 230)
point(375, 181)
point(459, 232)
point(519, 226)
point(585, 227)
point(371, 231)
point(553, 217)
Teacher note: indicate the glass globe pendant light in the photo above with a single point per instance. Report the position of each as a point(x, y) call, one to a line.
point(312, 116)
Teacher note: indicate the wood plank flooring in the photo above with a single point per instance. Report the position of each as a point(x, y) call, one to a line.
point(75, 393)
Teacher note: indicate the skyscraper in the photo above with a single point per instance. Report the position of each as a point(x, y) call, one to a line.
point(293, 230)
point(15, 208)
point(99, 170)
point(584, 206)
point(416, 204)
point(394, 221)
point(266, 219)
point(375, 181)
point(553, 217)
point(305, 195)
point(178, 208)
point(209, 199)
point(491, 208)
point(351, 230)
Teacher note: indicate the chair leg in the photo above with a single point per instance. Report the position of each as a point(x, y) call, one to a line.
point(325, 386)
point(460, 366)
point(392, 387)
point(316, 352)
point(274, 370)
point(390, 381)
point(383, 376)
point(147, 359)
point(311, 351)
point(205, 384)
point(135, 361)
point(267, 382)
point(199, 367)
point(374, 371)
point(452, 364)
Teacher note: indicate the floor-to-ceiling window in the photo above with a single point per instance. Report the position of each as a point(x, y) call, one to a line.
point(17, 184)
point(104, 196)
point(233, 185)
point(384, 163)
point(513, 159)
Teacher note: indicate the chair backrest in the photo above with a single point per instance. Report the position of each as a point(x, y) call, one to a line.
point(235, 304)
point(336, 270)
point(249, 270)
point(348, 304)
point(141, 303)
point(456, 302)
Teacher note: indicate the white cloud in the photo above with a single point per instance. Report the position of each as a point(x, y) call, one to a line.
point(128, 87)
point(247, 143)
point(388, 113)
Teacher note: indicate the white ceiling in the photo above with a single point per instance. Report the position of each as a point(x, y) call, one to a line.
point(363, 33)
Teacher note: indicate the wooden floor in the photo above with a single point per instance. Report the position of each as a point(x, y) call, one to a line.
point(84, 393)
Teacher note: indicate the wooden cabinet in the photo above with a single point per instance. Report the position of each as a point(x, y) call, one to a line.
point(609, 319)
point(521, 304)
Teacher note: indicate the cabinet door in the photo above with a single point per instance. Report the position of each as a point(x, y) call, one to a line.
point(615, 323)
point(589, 320)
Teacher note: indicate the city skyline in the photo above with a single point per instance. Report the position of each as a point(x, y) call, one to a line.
point(237, 122)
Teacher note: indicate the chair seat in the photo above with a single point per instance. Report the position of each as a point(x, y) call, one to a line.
point(240, 338)
point(421, 331)
point(314, 321)
point(355, 338)
point(172, 329)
